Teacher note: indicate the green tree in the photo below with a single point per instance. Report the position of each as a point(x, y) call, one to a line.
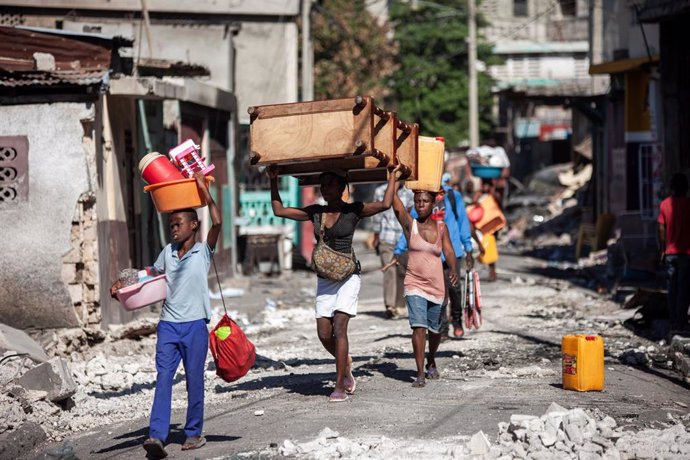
point(430, 85)
point(353, 54)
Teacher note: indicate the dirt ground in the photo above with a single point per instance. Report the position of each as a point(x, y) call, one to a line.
point(512, 365)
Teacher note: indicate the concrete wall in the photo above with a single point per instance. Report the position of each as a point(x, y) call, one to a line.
point(266, 59)
point(266, 65)
point(622, 32)
point(37, 234)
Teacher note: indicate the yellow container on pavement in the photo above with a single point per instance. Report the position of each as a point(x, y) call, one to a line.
point(429, 164)
point(583, 362)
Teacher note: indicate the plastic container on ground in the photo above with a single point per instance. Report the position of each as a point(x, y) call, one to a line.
point(143, 293)
point(156, 168)
point(486, 172)
point(583, 362)
point(429, 164)
point(176, 195)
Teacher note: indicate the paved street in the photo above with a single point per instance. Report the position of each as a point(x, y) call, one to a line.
point(511, 366)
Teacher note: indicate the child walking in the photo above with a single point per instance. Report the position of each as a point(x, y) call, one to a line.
point(182, 334)
point(424, 282)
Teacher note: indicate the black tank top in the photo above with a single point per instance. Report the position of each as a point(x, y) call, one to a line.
point(338, 237)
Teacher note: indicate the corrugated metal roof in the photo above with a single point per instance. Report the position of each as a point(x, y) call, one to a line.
point(75, 62)
point(17, 48)
point(58, 78)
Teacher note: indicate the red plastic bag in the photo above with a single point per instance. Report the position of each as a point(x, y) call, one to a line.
point(232, 351)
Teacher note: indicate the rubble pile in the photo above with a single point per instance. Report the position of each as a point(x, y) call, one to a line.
point(558, 434)
point(679, 355)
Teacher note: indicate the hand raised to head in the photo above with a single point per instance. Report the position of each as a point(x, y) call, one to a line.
point(272, 172)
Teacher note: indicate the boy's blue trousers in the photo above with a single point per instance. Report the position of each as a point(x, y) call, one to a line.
point(187, 342)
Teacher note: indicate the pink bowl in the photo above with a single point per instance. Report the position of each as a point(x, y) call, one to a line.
point(142, 294)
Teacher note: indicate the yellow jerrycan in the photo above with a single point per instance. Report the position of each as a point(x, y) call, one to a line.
point(583, 362)
point(429, 164)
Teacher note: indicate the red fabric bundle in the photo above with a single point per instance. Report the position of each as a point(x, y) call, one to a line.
point(232, 351)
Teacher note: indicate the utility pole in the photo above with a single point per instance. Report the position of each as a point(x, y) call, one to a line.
point(472, 64)
point(307, 53)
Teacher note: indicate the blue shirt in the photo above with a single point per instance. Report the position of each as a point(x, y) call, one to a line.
point(187, 298)
point(458, 229)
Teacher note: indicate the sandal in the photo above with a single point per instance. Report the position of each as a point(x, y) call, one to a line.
point(154, 448)
point(193, 443)
point(432, 373)
point(338, 396)
point(350, 382)
point(419, 382)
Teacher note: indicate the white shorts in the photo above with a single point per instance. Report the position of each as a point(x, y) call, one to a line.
point(332, 296)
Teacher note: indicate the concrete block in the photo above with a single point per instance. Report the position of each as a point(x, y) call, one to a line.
point(592, 447)
point(90, 274)
point(521, 420)
point(72, 256)
point(586, 455)
point(44, 62)
point(576, 417)
point(547, 438)
point(602, 441)
point(536, 425)
point(69, 273)
point(53, 377)
point(611, 454)
point(556, 408)
point(573, 432)
point(90, 293)
point(17, 443)
point(76, 293)
point(14, 340)
point(479, 444)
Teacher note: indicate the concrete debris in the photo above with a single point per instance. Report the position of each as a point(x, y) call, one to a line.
point(134, 330)
point(559, 433)
point(679, 355)
point(16, 443)
point(19, 342)
point(63, 342)
point(54, 377)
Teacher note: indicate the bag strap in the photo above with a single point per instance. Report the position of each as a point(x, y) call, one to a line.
point(220, 288)
point(322, 225)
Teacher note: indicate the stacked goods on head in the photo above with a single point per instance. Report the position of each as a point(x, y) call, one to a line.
point(156, 168)
point(429, 165)
point(307, 138)
point(169, 189)
point(186, 156)
point(178, 194)
point(491, 217)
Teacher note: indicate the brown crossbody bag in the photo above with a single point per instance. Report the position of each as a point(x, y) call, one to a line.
point(329, 263)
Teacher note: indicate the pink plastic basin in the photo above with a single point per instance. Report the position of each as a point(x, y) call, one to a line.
point(142, 294)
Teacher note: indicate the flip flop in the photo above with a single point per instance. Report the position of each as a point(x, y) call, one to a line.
point(432, 373)
point(350, 382)
point(419, 382)
point(338, 396)
point(193, 443)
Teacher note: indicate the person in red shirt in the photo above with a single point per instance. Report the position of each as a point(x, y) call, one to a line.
point(674, 250)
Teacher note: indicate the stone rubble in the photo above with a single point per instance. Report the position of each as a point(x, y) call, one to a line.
point(558, 434)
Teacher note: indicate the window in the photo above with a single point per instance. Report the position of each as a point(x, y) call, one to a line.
point(520, 8)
